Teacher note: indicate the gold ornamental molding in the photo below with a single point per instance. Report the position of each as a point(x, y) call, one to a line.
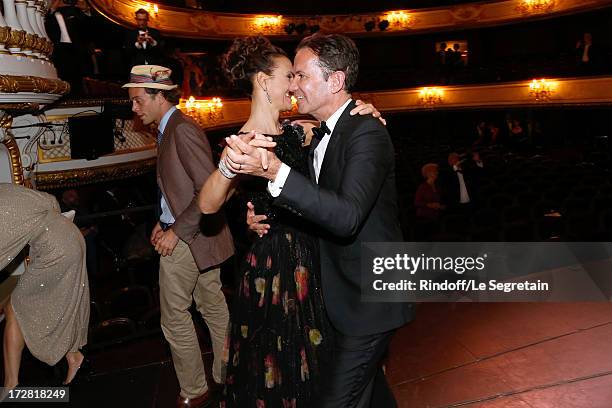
point(78, 177)
point(189, 23)
point(27, 83)
point(15, 159)
point(592, 91)
point(589, 91)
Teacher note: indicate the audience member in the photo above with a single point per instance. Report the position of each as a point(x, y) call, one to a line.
point(460, 182)
point(67, 26)
point(586, 54)
point(193, 78)
point(143, 43)
point(427, 200)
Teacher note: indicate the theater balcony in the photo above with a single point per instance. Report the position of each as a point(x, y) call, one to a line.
point(519, 89)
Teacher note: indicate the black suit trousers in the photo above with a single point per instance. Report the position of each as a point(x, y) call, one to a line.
point(354, 377)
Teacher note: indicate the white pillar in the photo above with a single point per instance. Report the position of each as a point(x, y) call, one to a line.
point(31, 11)
point(40, 18)
point(10, 15)
point(22, 16)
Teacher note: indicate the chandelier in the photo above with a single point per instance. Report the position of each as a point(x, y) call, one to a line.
point(267, 24)
point(400, 19)
point(541, 89)
point(204, 111)
point(430, 96)
point(535, 6)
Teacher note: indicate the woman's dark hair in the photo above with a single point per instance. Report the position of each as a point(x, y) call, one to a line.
point(246, 57)
point(336, 53)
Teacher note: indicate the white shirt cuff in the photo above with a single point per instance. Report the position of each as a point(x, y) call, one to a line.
point(275, 187)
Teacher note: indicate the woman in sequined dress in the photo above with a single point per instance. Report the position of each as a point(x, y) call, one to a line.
point(279, 332)
point(48, 310)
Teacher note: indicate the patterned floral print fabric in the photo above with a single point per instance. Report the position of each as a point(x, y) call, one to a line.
point(279, 333)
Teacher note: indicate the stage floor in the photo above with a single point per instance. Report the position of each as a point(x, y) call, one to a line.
point(511, 355)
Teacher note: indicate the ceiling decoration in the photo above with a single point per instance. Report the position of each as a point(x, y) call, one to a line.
point(189, 23)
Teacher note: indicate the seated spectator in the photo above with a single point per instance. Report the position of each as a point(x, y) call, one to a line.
point(493, 134)
point(427, 198)
point(481, 133)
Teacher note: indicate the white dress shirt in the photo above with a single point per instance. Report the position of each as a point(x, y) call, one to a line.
point(166, 215)
point(64, 36)
point(464, 196)
point(275, 187)
point(585, 53)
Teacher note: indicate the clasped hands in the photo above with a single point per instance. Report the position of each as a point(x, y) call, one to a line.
point(251, 153)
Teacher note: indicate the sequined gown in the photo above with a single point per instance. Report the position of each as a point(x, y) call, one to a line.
point(279, 332)
point(51, 299)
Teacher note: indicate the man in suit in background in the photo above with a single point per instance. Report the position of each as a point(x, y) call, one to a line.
point(351, 197)
point(68, 26)
point(191, 246)
point(143, 43)
point(460, 181)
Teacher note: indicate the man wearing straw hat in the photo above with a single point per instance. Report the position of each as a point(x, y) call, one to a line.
point(191, 246)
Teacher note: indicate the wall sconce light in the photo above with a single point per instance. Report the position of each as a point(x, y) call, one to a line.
point(203, 110)
point(153, 9)
point(430, 96)
point(267, 24)
point(541, 89)
point(400, 20)
point(535, 6)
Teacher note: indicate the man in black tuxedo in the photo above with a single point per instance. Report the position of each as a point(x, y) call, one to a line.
point(68, 26)
point(460, 181)
point(143, 43)
point(351, 197)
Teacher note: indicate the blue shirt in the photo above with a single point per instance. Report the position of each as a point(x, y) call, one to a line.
point(166, 215)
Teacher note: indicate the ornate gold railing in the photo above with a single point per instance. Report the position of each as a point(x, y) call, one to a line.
point(191, 23)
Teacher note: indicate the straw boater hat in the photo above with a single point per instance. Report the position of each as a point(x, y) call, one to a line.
point(150, 76)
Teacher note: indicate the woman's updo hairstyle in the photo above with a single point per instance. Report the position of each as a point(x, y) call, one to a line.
point(246, 57)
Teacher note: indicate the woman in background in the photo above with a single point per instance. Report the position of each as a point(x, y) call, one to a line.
point(48, 311)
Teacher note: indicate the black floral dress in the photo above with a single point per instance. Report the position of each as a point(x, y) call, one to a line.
point(279, 332)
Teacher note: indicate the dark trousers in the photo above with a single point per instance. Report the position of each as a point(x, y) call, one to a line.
point(354, 377)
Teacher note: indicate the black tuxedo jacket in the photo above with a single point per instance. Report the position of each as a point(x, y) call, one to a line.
point(451, 190)
point(354, 202)
point(139, 56)
point(77, 23)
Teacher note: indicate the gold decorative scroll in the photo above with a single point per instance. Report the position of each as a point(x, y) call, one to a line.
point(15, 158)
point(190, 23)
point(78, 177)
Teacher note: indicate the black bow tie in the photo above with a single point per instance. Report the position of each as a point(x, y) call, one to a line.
point(319, 132)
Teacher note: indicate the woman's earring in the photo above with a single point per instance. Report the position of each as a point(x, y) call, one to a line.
point(268, 96)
